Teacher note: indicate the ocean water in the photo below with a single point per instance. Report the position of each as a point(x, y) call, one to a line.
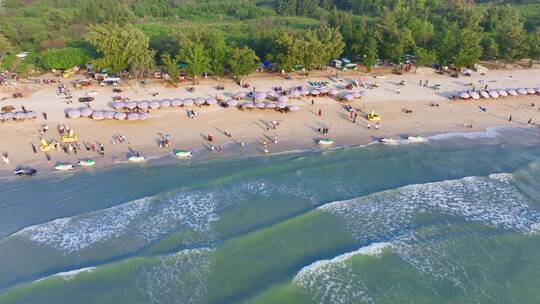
point(452, 220)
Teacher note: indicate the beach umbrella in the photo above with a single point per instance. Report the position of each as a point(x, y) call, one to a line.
point(176, 102)
point(283, 98)
point(271, 94)
point(502, 93)
point(187, 102)
point(357, 94)
point(333, 92)
point(143, 105)
point(109, 114)
point(120, 116)
point(2, 116)
point(232, 103)
point(131, 105)
point(281, 105)
point(512, 92)
point(347, 96)
point(133, 116)
point(19, 115)
point(522, 91)
point(304, 92)
point(144, 116)
point(8, 116)
point(293, 108)
point(248, 105)
point(239, 95)
point(493, 94)
point(474, 95)
point(294, 94)
point(324, 90)
point(484, 94)
point(154, 105)
point(531, 91)
point(30, 115)
point(270, 105)
point(199, 101)
point(211, 101)
point(86, 112)
point(315, 92)
point(260, 96)
point(97, 115)
point(464, 95)
point(165, 103)
point(73, 113)
point(119, 105)
point(260, 105)
point(537, 90)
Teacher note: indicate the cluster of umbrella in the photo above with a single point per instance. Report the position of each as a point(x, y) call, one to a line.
point(104, 115)
point(18, 116)
point(162, 104)
point(498, 93)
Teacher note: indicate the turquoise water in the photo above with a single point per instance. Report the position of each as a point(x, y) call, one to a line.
point(453, 220)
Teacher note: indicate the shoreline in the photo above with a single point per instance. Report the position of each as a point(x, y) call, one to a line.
point(297, 130)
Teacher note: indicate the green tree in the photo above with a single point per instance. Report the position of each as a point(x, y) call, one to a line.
point(242, 62)
point(392, 40)
point(196, 60)
point(424, 56)
point(170, 65)
point(5, 45)
point(508, 32)
point(532, 46)
point(490, 49)
point(217, 51)
point(63, 58)
point(469, 50)
point(121, 47)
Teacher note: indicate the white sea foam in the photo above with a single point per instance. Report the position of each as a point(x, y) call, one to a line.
point(68, 275)
point(488, 133)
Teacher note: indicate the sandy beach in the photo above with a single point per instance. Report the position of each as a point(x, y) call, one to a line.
point(296, 130)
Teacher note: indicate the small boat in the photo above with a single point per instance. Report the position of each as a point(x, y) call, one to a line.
point(416, 139)
point(87, 162)
point(45, 146)
point(387, 141)
point(325, 142)
point(182, 153)
point(63, 166)
point(137, 159)
point(373, 117)
point(69, 138)
point(22, 171)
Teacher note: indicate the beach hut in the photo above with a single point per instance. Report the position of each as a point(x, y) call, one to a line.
point(31, 115)
point(260, 105)
point(176, 102)
point(293, 108)
point(232, 102)
point(143, 105)
point(283, 98)
point(86, 112)
point(464, 95)
point(239, 95)
point(109, 114)
point(281, 105)
point(522, 91)
point(269, 105)
point(502, 93)
point(119, 105)
point(199, 101)
point(133, 116)
point(512, 92)
point(474, 95)
point(531, 91)
point(187, 102)
point(211, 101)
point(493, 94)
point(484, 94)
point(73, 113)
point(165, 103)
point(131, 105)
point(144, 116)
point(154, 105)
point(120, 116)
point(98, 115)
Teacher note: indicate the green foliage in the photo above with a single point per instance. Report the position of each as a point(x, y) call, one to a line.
point(63, 58)
point(196, 59)
point(122, 48)
point(242, 62)
point(5, 45)
point(101, 11)
point(171, 66)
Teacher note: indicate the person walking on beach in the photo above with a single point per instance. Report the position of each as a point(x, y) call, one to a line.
point(312, 102)
point(355, 116)
point(398, 90)
point(5, 158)
point(320, 112)
point(510, 117)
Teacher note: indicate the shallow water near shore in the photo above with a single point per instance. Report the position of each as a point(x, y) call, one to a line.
point(455, 219)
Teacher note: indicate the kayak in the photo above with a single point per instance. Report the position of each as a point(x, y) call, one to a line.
point(20, 171)
point(87, 162)
point(182, 153)
point(63, 167)
point(136, 159)
point(325, 142)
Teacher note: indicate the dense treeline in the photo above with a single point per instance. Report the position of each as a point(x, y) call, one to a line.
point(230, 37)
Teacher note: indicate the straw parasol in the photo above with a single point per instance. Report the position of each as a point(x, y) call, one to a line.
point(120, 116)
point(333, 92)
point(86, 112)
point(119, 105)
point(522, 91)
point(109, 114)
point(131, 105)
point(464, 95)
point(493, 94)
point(176, 102)
point(269, 105)
point(144, 116)
point(73, 113)
point(304, 92)
point(512, 92)
point(357, 94)
point(31, 115)
point(502, 93)
point(143, 105)
point(474, 95)
point(154, 105)
point(294, 94)
point(315, 92)
point(97, 115)
point(484, 94)
point(281, 105)
point(530, 91)
point(8, 116)
point(260, 105)
point(133, 116)
point(248, 105)
point(324, 90)
point(187, 102)
point(293, 108)
point(239, 95)
point(19, 115)
point(199, 101)
point(232, 102)
point(283, 98)
point(211, 101)
point(165, 103)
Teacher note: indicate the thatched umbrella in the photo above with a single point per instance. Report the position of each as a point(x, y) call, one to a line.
point(502, 93)
point(484, 94)
point(119, 105)
point(239, 95)
point(269, 105)
point(165, 103)
point(474, 95)
point(120, 116)
point(248, 105)
point(493, 94)
point(143, 105)
point(522, 91)
point(315, 92)
point(133, 116)
point(333, 92)
point(144, 116)
point(232, 102)
point(73, 113)
point(98, 115)
point(293, 108)
point(154, 105)
point(131, 105)
point(531, 91)
point(281, 105)
point(211, 101)
point(109, 114)
point(176, 102)
point(86, 112)
point(512, 92)
point(8, 116)
point(187, 102)
point(31, 115)
point(19, 115)
point(199, 101)
point(259, 105)
point(304, 92)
